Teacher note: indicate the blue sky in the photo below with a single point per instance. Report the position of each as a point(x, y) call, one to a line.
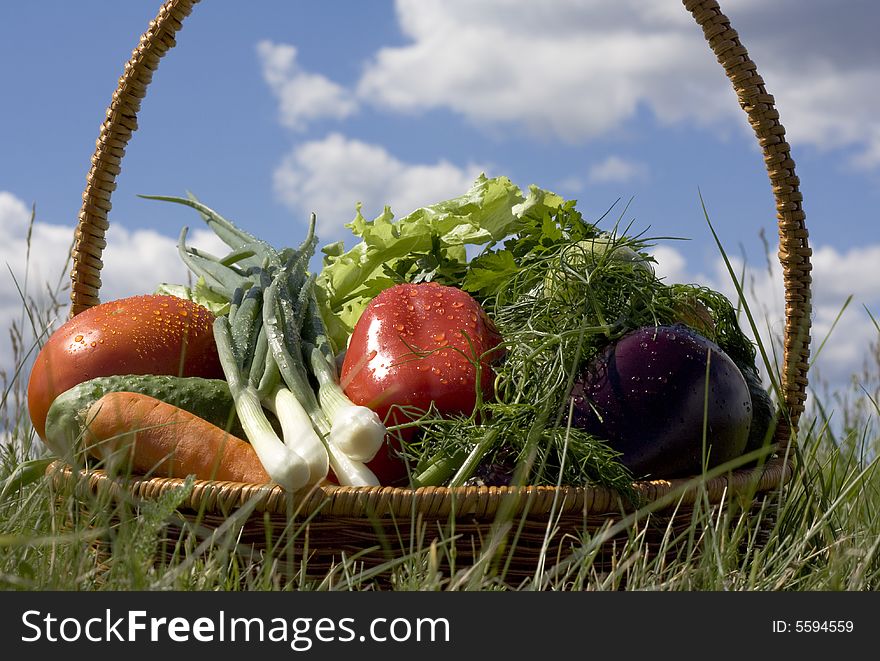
point(274, 110)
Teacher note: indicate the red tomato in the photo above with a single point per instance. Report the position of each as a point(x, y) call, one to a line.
point(416, 344)
point(149, 334)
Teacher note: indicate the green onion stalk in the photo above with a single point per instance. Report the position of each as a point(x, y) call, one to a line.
point(276, 357)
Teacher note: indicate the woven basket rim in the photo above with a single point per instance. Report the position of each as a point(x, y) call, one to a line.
point(759, 106)
point(477, 501)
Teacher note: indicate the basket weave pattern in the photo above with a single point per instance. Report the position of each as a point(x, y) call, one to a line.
point(353, 509)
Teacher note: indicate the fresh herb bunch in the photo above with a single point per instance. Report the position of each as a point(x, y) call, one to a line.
point(560, 291)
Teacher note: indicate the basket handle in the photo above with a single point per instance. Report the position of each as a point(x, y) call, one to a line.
point(794, 250)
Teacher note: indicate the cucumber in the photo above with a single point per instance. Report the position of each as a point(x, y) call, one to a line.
point(207, 398)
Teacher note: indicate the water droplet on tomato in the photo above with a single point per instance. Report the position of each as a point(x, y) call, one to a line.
point(78, 338)
point(399, 326)
point(438, 337)
point(457, 304)
point(435, 370)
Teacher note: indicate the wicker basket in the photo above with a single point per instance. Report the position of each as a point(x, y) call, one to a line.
point(525, 529)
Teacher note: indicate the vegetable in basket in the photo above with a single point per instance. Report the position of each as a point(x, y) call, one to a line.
point(135, 433)
point(560, 291)
point(669, 400)
point(209, 399)
point(273, 345)
point(415, 347)
point(148, 334)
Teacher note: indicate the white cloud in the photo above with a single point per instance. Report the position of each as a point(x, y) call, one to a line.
point(614, 170)
point(302, 96)
point(578, 69)
point(856, 271)
point(13, 214)
point(571, 69)
point(832, 108)
point(135, 261)
point(330, 176)
point(670, 264)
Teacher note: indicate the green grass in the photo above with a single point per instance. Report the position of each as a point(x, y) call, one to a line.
point(821, 532)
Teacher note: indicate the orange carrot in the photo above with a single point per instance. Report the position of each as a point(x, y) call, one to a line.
point(160, 439)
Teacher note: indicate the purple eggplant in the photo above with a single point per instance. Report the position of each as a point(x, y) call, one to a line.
point(648, 395)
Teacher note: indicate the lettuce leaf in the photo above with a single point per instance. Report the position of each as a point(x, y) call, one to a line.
point(428, 244)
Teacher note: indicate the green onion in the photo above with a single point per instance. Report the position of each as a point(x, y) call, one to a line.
point(356, 430)
point(275, 354)
point(283, 464)
point(281, 319)
point(298, 433)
